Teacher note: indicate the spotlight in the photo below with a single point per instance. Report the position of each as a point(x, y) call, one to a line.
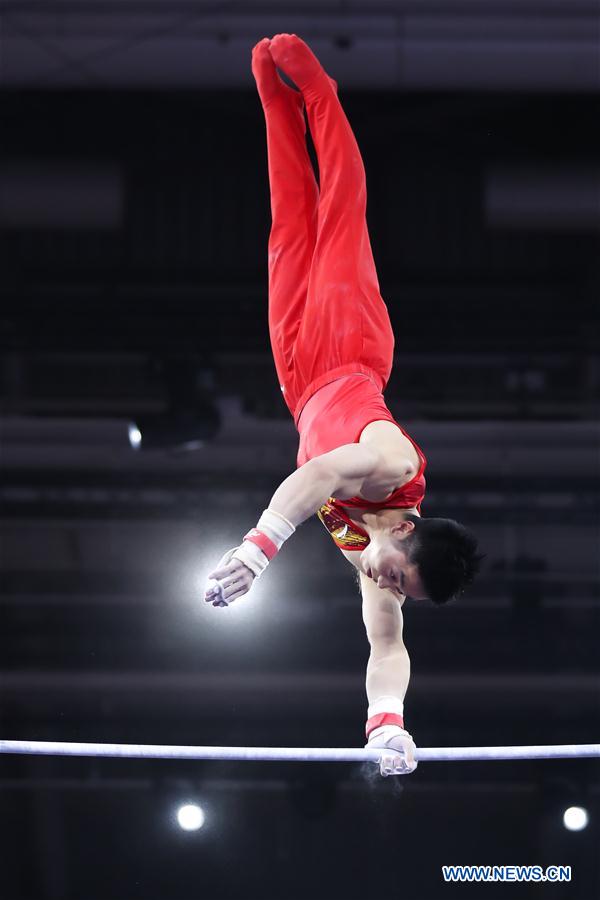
point(190, 817)
point(135, 438)
point(575, 818)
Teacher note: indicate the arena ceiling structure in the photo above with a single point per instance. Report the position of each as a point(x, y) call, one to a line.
point(383, 45)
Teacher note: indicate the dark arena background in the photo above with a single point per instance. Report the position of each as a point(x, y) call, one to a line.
point(134, 219)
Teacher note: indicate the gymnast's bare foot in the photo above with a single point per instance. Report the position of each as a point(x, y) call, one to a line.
point(297, 60)
point(268, 82)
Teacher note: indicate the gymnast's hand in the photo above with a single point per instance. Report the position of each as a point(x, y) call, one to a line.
point(231, 579)
point(398, 750)
point(235, 574)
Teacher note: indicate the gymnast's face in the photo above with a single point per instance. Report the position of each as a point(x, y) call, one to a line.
point(387, 562)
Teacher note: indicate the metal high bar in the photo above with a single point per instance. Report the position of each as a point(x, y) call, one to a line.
point(295, 754)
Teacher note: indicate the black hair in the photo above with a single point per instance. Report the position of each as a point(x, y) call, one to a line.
point(445, 553)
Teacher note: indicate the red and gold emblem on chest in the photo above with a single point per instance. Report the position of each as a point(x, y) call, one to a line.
point(340, 530)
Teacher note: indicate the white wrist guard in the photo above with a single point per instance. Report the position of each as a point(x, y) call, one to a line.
point(384, 735)
point(386, 704)
point(262, 543)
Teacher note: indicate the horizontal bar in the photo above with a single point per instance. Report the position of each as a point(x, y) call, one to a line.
point(294, 754)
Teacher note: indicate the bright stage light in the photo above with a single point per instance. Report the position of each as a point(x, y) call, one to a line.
point(575, 818)
point(135, 438)
point(246, 615)
point(190, 817)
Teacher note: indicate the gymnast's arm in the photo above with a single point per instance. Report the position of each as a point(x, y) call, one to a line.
point(388, 675)
point(388, 670)
point(342, 471)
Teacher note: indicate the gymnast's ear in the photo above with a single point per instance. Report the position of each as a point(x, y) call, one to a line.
point(403, 528)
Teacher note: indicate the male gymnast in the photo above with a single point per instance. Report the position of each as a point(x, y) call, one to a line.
point(332, 344)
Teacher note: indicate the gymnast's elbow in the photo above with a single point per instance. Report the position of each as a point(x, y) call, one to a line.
point(304, 491)
point(349, 466)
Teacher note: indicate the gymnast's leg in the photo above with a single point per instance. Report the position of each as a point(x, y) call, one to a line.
point(345, 319)
point(294, 203)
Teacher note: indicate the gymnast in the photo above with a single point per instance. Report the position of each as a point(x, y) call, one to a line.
point(332, 344)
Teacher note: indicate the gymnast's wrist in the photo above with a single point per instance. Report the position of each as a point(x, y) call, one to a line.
point(261, 544)
point(385, 711)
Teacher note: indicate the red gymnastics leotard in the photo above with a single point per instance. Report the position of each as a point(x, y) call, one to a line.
point(330, 331)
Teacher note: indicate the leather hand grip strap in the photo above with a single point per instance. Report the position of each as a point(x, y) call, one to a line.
point(383, 719)
point(268, 547)
point(262, 543)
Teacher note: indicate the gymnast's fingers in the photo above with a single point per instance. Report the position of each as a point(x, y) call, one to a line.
point(229, 598)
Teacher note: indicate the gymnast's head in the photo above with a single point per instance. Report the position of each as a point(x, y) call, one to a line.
point(423, 558)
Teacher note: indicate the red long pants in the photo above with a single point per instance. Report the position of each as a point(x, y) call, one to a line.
point(326, 315)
